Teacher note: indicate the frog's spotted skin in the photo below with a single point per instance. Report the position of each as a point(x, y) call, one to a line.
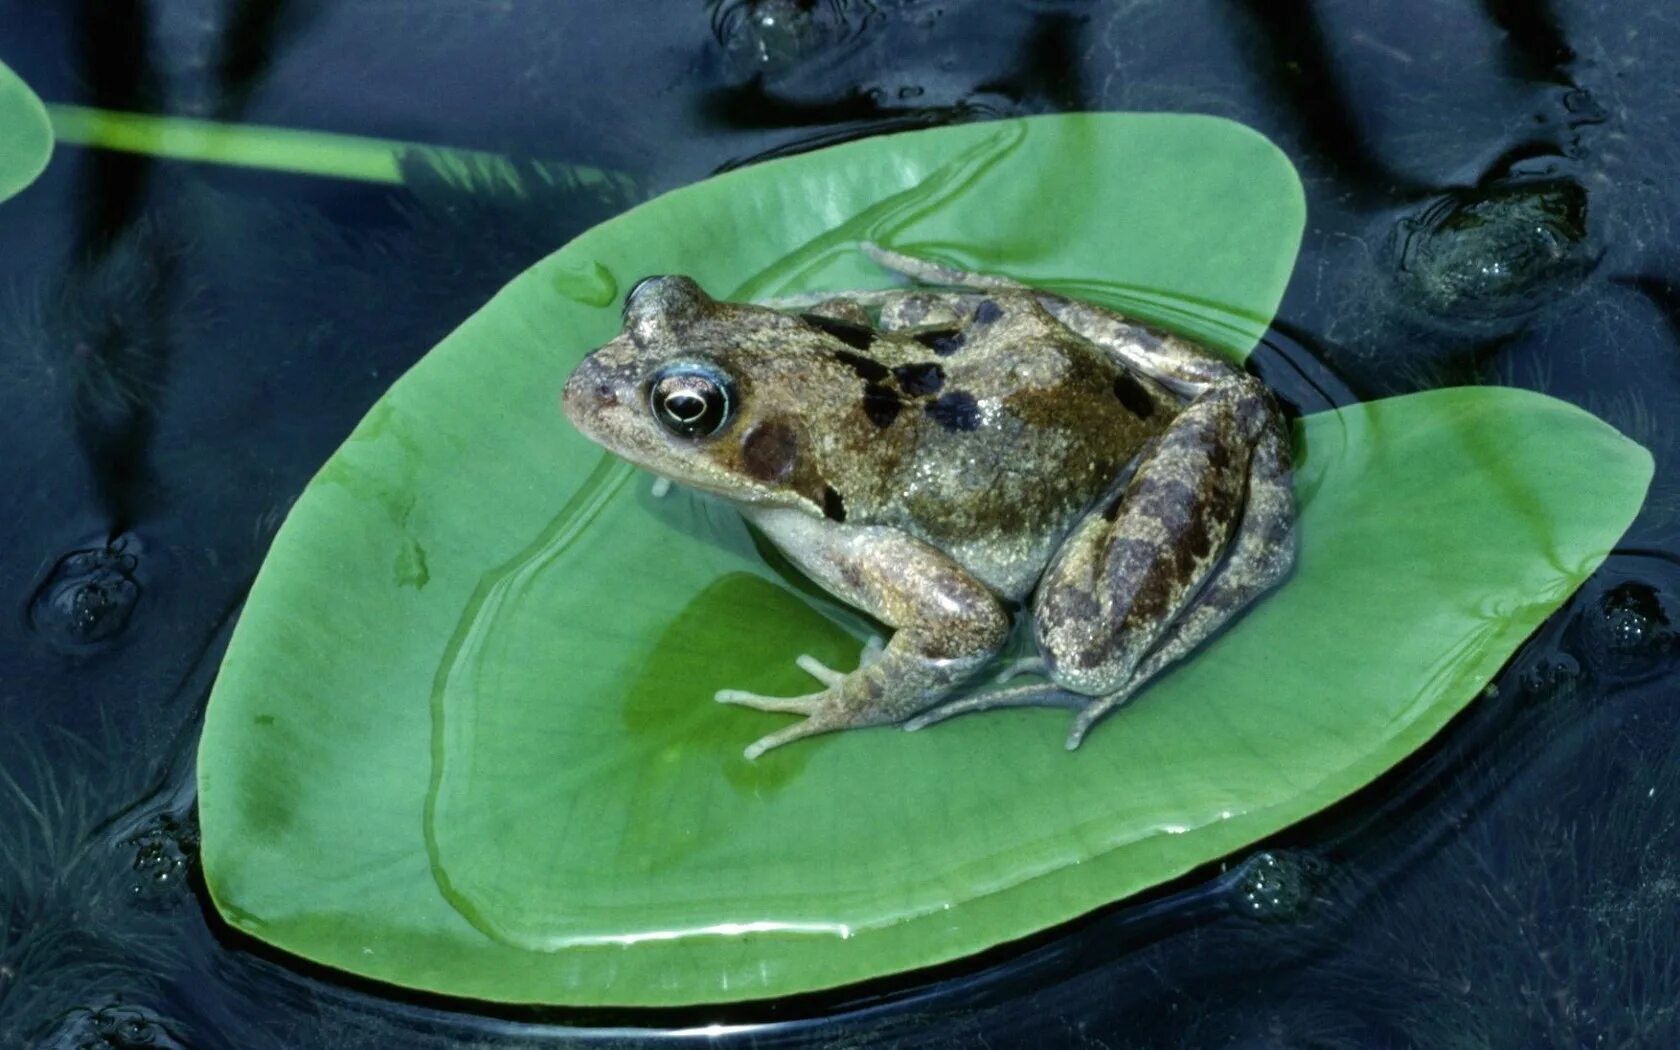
point(935, 457)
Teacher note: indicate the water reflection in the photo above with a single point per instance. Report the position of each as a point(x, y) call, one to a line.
point(1536, 46)
point(1302, 72)
point(114, 309)
point(256, 30)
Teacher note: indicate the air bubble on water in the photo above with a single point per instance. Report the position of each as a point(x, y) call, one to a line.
point(164, 851)
point(88, 597)
point(1630, 614)
point(771, 35)
point(1277, 886)
point(1627, 631)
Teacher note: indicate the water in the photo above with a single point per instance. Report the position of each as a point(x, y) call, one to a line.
point(181, 345)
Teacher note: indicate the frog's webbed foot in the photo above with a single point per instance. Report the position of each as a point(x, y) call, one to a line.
point(818, 709)
point(847, 700)
point(812, 666)
point(948, 625)
point(802, 705)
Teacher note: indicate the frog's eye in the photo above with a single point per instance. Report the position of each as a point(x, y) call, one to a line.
point(691, 401)
point(630, 296)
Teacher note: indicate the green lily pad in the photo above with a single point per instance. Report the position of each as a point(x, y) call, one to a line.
point(26, 139)
point(463, 738)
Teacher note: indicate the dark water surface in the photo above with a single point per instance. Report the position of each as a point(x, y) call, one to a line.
point(1492, 199)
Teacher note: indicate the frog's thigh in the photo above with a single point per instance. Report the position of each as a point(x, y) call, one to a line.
point(1126, 573)
point(1172, 360)
point(1261, 554)
point(947, 624)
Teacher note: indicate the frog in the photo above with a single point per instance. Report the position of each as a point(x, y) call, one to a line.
point(952, 455)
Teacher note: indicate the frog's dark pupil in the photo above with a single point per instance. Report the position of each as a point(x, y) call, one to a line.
point(685, 406)
point(691, 404)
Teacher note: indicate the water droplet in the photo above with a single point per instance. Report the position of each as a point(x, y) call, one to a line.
point(1497, 251)
point(588, 283)
point(87, 598)
point(1280, 886)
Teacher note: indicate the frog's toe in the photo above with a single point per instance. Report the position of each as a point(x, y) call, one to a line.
point(1093, 712)
point(938, 714)
point(787, 705)
point(812, 726)
point(1045, 695)
point(1025, 665)
point(827, 675)
point(1076, 735)
point(817, 669)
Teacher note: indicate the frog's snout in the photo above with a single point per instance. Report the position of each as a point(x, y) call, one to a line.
point(589, 391)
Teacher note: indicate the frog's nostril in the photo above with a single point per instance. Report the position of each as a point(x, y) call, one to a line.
point(605, 396)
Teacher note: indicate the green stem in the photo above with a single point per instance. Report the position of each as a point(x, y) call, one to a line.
point(274, 148)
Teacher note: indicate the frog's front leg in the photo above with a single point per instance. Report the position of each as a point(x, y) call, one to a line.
point(947, 625)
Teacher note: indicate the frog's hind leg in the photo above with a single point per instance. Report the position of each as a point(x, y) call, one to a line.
point(1204, 528)
point(1171, 360)
point(902, 308)
point(1178, 364)
point(937, 273)
point(824, 303)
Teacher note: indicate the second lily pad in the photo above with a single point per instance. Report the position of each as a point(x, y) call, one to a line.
point(26, 138)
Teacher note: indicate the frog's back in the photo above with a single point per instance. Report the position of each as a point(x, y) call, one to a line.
point(1011, 428)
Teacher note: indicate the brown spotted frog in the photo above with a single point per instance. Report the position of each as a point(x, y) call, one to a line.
point(942, 457)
